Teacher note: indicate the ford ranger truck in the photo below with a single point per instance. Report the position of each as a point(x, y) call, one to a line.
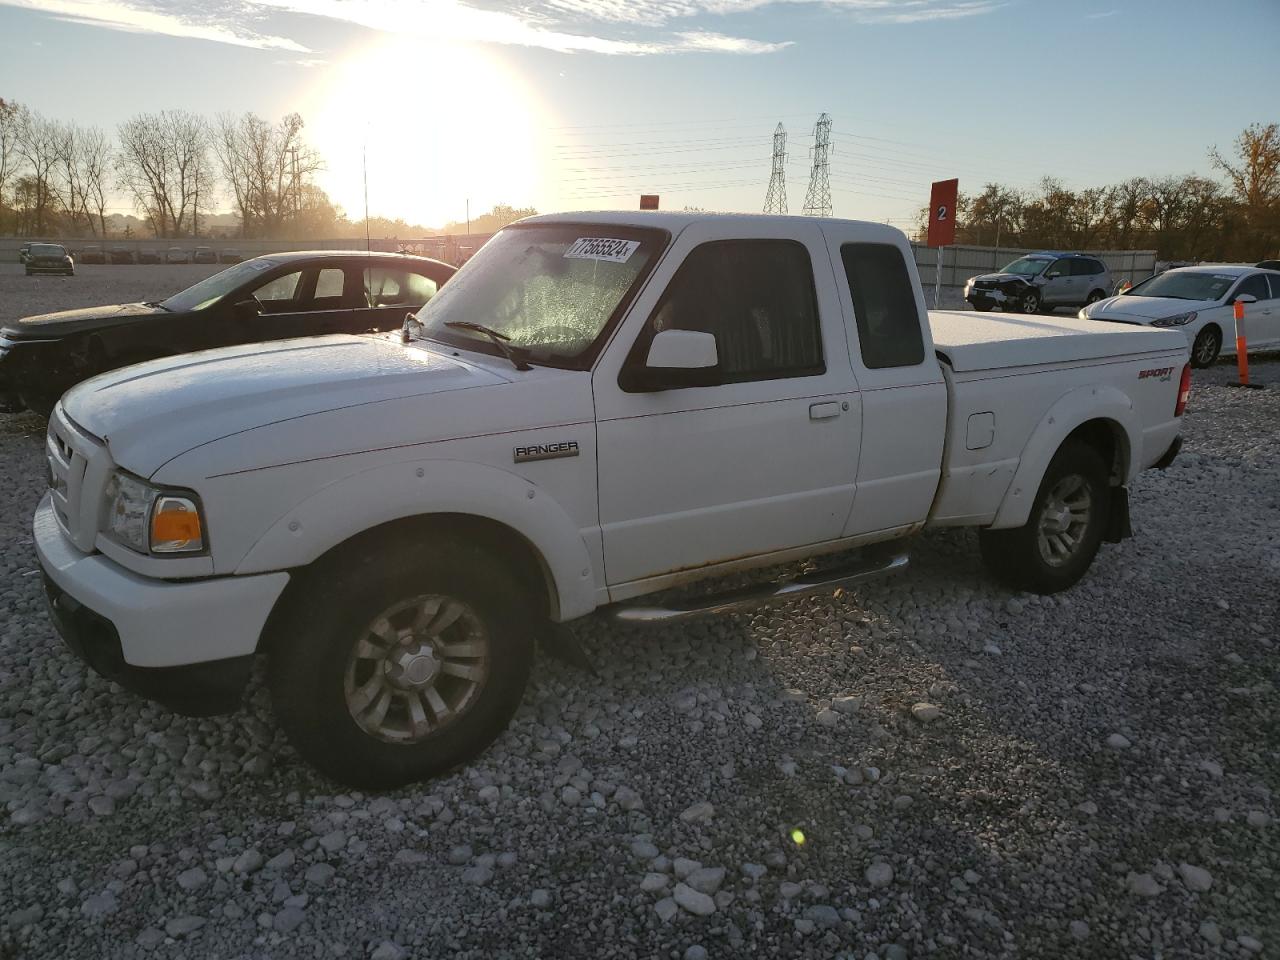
point(597, 408)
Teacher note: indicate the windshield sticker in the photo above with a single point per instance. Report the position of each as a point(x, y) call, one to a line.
point(601, 248)
point(260, 264)
point(1219, 276)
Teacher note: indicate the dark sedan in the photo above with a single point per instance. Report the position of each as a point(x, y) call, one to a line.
point(49, 258)
point(269, 298)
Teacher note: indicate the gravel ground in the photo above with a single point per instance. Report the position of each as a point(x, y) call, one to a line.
point(928, 766)
point(93, 284)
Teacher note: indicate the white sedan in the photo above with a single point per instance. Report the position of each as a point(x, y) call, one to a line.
point(1201, 302)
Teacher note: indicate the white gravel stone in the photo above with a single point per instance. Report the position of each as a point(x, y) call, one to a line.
point(827, 717)
point(248, 862)
point(706, 879)
point(1078, 929)
point(699, 904)
point(1196, 878)
point(926, 712)
point(541, 898)
point(1252, 944)
point(653, 882)
point(1118, 741)
point(666, 909)
point(698, 813)
point(387, 950)
point(879, 875)
point(1143, 885)
point(192, 879)
point(847, 705)
point(181, 926)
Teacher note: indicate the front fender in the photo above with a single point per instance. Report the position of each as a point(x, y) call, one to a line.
point(417, 488)
point(1069, 412)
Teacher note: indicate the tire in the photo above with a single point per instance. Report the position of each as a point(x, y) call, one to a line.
point(982, 307)
point(1020, 558)
point(1094, 297)
point(1029, 301)
point(328, 665)
point(1207, 346)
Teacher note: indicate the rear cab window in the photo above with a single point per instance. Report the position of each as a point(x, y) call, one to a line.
point(884, 305)
point(397, 287)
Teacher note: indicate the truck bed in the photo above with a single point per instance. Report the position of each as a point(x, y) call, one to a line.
point(971, 341)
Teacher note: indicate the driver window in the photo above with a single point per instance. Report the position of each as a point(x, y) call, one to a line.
point(279, 294)
point(1256, 285)
point(757, 297)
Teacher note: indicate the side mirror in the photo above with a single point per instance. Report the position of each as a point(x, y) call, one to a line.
point(1244, 298)
point(247, 309)
point(677, 358)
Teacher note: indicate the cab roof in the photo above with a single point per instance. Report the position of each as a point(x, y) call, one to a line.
point(674, 222)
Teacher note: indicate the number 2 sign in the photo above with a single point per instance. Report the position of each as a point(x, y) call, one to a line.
point(942, 205)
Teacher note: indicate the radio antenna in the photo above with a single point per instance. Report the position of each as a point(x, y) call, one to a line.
point(364, 158)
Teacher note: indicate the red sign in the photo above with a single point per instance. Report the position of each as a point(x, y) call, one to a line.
point(942, 213)
point(648, 201)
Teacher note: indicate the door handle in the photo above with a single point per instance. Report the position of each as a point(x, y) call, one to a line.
point(824, 411)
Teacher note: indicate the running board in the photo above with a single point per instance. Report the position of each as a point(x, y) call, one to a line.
point(823, 581)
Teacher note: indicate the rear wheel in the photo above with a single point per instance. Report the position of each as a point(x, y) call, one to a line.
point(1057, 544)
point(1206, 348)
point(1094, 297)
point(398, 666)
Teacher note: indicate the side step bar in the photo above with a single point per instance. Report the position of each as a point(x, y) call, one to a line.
point(820, 582)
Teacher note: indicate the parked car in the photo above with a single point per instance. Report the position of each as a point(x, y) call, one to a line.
point(231, 255)
point(25, 250)
point(1269, 264)
point(597, 408)
point(121, 255)
point(176, 255)
point(49, 258)
point(149, 256)
point(270, 298)
point(1041, 281)
point(93, 253)
point(205, 255)
point(1200, 301)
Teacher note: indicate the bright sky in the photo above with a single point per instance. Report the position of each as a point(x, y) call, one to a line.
point(582, 104)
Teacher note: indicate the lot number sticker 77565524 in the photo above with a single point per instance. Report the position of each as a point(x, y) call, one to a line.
point(601, 248)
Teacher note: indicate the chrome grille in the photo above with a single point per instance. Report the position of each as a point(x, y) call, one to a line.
point(68, 455)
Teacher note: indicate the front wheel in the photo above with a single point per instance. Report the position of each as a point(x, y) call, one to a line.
point(982, 306)
point(1206, 347)
point(397, 666)
point(1029, 301)
point(1094, 297)
point(1057, 544)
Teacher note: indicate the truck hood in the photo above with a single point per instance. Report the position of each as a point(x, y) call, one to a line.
point(1144, 309)
point(150, 413)
point(75, 321)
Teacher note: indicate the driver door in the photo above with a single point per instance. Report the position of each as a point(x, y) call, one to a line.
point(307, 302)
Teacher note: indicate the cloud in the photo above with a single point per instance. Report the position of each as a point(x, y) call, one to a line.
point(611, 27)
point(135, 18)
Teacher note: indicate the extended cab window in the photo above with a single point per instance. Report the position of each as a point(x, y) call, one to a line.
point(757, 298)
point(884, 305)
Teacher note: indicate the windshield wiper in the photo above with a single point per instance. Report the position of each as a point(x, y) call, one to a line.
point(500, 340)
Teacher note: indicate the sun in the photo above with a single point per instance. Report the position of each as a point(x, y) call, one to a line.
point(440, 123)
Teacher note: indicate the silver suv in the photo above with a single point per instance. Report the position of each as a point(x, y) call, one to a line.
point(1041, 281)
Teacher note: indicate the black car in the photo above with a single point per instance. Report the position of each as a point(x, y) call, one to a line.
point(93, 253)
point(269, 298)
point(49, 258)
point(1269, 265)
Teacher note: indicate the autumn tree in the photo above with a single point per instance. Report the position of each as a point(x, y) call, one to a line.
point(1254, 175)
point(9, 117)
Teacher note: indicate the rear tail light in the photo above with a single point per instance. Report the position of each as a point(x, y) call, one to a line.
point(1184, 391)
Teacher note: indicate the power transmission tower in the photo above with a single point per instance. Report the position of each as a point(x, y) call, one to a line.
point(775, 201)
point(817, 199)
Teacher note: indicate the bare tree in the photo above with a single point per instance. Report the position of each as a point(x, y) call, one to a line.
point(267, 170)
point(163, 161)
point(39, 144)
point(9, 117)
point(93, 160)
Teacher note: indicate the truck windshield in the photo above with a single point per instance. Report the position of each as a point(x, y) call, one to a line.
point(1185, 285)
point(216, 287)
point(551, 289)
point(1026, 266)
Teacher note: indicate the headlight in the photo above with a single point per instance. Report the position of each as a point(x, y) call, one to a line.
point(149, 520)
point(1178, 320)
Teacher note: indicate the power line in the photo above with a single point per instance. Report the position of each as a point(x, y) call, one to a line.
point(775, 198)
point(817, 200)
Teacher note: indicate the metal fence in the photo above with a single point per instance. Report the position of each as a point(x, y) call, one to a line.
point(452, 248)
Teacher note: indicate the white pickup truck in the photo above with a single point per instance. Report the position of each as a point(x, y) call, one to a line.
point(598, 407)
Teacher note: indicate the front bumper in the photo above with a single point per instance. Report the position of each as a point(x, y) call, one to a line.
point(993, 297)
point(188, 645)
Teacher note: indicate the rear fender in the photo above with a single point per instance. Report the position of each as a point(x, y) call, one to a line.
point(1069, 412)
point(397, 491)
